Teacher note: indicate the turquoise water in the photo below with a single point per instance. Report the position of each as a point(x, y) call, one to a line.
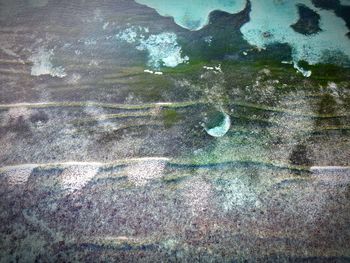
point(193, 14)
point(270, 23)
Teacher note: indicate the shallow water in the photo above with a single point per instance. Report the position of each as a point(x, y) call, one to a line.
point(271, 22)
point(193, 15)
point(132, 134)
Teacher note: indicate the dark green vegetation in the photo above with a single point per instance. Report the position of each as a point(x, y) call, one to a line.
point(308, 22)
point(170, 117)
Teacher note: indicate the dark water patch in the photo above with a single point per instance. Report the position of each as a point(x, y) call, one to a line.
point(263, 113)
point(45, 171)
point(39, 117)
point(289, 183)
point(19, 126)
point(342, 11)
point(111, 169)
point(300, 156)
point(326, 4)
point(332, 132)
point(121, 247)
point(259, 111)
point(309, 21)
point(292, 259)
point(214, 118)
point(175, 178)
point(108, 181)
point(238, 164)
point(327, 105)
point(219, 38)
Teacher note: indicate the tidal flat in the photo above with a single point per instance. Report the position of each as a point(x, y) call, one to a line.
point(128, 137)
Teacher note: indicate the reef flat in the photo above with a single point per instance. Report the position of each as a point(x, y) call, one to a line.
point(127, 137)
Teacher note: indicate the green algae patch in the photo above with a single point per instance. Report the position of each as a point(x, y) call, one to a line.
point(322, 73)
point(176, 177)
point(151, 88)
point(170, 117)
point(190, 69)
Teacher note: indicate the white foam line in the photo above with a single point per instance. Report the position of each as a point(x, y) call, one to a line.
point(84, 104)
point(329, 168)
point(163, 103)
point(26, 104)
point(140, 159)
point(13, 71)
point(74, 163)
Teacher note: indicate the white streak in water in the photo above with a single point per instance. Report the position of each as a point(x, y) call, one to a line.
point(42, 64)
point(163, 49)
